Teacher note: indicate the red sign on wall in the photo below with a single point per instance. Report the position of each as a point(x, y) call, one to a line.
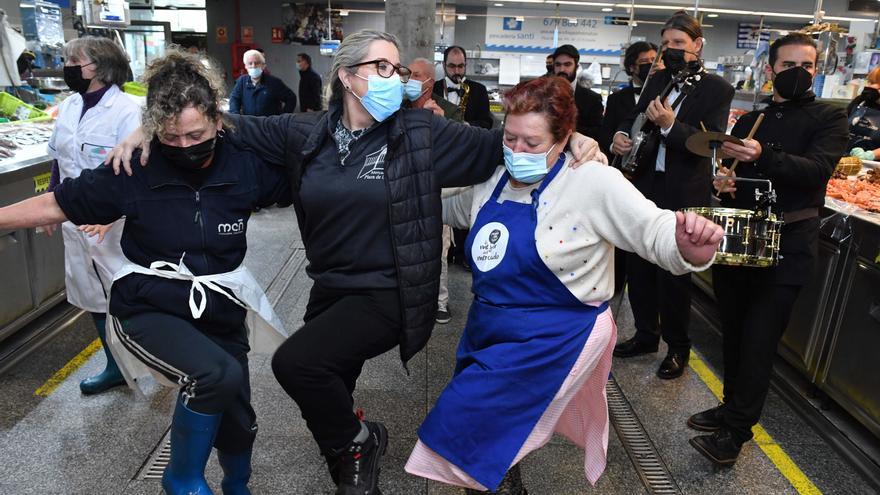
point(222, 35)
point(277, 35)
point(247, 34)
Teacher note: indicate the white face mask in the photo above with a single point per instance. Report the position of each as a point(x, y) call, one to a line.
point(255, 72)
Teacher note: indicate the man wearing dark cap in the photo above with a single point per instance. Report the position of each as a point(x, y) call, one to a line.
point(674, 178)
point(589, 103)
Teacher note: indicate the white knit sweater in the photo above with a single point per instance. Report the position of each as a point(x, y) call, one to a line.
point(583, 213)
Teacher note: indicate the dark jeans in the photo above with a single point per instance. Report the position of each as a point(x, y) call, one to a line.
point(754, 314)
point(211, 365)
point(661, 303)
point(318, 366)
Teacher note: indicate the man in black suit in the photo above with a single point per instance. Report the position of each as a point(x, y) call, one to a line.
point(673, 178)
point(797, 147)
point(589, 103)
point(476, 108)
point(637, 63)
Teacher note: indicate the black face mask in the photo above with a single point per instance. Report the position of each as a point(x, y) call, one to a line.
point(73, 77)
point(673, 58)
point(794, 83)
point(549, 68)
point(190, 157)
point(871, 95)
point(643, 71)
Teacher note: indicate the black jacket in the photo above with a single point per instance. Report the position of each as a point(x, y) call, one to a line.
point(165, 217)
point(688, 176)
point(801, 142)
point(270, 97)
point(590, 109)
point(477, 111)
point(620, 105)
point(425, 152)
point(309, 90)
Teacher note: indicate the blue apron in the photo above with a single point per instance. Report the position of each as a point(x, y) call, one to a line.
point(525, 331)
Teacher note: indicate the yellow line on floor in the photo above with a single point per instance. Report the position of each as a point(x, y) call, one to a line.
point(68, 369)
point(771, 449)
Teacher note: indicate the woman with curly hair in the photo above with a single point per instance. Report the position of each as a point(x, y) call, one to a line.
point(184, 241)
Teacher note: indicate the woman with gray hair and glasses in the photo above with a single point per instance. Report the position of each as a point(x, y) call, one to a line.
point(90, 123)
point(366, 179)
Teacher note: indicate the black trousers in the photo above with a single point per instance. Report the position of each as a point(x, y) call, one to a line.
point(211, 365)
point(318, 366)
point(754, 314)
point(661, 303)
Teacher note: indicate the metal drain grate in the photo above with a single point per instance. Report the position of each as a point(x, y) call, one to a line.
point(650, 467)
point(155, 466)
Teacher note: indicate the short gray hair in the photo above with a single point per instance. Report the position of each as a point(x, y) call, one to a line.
point(111, 61)
point(253, 52)
point(352, 50)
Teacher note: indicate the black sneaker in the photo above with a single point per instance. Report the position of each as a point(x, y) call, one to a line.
point(358, 464)
point(443, 316)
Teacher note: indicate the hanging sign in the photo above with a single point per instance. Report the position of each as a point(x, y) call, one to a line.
point(247, 34)
point(508, 31)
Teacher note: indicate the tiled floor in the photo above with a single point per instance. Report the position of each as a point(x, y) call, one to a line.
point(69, 444)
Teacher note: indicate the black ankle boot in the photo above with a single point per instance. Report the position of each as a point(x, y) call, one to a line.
point(708, 420)
point(358, 463)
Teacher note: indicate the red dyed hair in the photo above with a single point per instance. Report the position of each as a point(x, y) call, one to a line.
point(549, 95)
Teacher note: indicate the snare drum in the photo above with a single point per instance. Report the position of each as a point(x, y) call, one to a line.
point(750, 238)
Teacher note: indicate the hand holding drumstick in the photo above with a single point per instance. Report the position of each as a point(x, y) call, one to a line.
point(749, 151)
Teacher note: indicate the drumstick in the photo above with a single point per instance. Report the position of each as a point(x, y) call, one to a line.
point(750, 136)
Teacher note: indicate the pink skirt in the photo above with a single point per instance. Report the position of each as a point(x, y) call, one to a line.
point(579, 412)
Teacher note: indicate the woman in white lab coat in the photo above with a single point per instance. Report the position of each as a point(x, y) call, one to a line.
point(90, 123)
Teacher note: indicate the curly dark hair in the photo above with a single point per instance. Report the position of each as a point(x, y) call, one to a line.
point(175, 82)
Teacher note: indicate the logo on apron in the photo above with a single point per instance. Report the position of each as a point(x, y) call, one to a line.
point(490, 245)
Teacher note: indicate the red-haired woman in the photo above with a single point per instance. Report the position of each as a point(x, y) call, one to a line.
point(536, 350)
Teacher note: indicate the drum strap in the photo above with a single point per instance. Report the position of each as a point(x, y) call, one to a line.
point(798, 215)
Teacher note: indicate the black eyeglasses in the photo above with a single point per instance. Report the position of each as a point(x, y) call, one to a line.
point(386, 69)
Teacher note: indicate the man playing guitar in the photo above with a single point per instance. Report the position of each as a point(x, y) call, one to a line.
point(673, 178)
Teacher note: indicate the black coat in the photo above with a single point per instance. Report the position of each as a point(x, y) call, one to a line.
point(590, 109)
point(620, 105)
point(801, 142)
point(688, 176)
point(425, 153)
point(309, 90)
point(477, 112)
point(158, 202)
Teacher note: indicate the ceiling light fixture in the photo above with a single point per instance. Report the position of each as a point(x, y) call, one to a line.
point(607, 9)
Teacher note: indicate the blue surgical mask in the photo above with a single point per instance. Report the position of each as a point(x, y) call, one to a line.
point(384, 96)
point(255, 72)
point(527, 168)
point(413, 89)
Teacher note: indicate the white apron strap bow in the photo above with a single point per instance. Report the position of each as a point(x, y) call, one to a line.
point(166, 269)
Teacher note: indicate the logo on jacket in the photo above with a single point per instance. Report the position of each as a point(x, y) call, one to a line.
point(234, 228)
point(374, 165)
point(490, 246)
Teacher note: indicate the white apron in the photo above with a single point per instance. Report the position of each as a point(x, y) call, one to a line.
point(81, 144)
point(265, 330)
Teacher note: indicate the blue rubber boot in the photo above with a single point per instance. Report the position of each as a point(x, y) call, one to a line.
point(110, 377)
point(236, 472)
point(192, 438)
